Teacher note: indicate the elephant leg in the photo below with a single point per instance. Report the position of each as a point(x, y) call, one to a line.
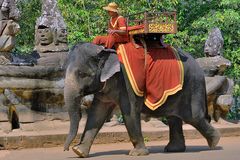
point(130, 106)
point(97, 114)
point(177, 141)
point(210, 133)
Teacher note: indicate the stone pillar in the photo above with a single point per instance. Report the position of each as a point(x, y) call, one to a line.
point(9, 15)
point(51, 35)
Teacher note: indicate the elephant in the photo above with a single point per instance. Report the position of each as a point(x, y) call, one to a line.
point(92, 69)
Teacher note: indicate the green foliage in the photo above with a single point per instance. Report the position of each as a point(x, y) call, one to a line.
point(30, 11)
point(84, 19)
point(197, 18)
point(237, 89)
point(234, 113)
point(234, 4)
point(120, 118)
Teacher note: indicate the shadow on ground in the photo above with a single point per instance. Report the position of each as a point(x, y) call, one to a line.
point(154, 150)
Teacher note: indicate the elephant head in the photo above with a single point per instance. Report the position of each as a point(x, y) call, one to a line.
point(88, 67)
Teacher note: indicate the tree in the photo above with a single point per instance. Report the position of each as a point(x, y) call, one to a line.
point(224, 14)
point(30, 10)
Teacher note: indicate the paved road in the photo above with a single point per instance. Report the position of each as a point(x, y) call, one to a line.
point(228, 149)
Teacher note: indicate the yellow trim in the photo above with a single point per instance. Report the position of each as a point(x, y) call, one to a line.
point(123, 28)
point(115, 23)
point(154, 106)
point(137, 31)
point(123, 54)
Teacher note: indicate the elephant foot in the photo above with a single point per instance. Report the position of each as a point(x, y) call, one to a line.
point(209, 132)
point(139, 152)
point(175, 147)
point(81, 152)
point(213, 140)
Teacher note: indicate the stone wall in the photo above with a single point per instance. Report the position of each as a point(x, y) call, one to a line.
point(30, 94)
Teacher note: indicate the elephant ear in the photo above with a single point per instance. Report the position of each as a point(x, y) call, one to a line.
point(111, 66)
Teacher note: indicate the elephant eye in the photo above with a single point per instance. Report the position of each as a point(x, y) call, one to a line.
point(82, 74)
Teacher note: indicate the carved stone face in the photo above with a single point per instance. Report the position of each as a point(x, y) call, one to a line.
point(45, 36)
point(214, 43)
point(61, 35)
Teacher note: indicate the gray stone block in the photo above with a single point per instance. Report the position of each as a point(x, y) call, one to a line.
point(6, 127)
point(225, 100)
point(3, 114)
point(26, 115)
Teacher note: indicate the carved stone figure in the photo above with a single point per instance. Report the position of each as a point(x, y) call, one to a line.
point(9, 10)
point(50, 30)
point(7, 39)
point(9, 14)
point(214, 43)
point(45, 35)
point(60, 36)
point(219, 87)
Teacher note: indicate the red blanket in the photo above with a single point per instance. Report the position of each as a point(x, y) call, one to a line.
point(161, 77)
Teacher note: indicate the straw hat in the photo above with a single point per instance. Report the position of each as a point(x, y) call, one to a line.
point(112, 7)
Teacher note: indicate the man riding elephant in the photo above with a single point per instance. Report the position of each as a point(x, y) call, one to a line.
point(116, 28)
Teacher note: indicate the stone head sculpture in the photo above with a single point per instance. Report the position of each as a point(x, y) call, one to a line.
point(214, 43)
point(44, 35)
point(60, 35)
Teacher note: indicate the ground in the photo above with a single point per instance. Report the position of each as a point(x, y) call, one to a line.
point(197, 149)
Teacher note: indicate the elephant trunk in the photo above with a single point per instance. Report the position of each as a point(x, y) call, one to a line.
point(75, 116)
point(72, 98)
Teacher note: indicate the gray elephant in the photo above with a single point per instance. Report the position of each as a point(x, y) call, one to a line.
point(93, 69)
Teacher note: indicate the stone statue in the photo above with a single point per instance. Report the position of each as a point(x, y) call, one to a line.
point(219, 87)
point(9, 15)
point(51, 35)
point(214, 43)
point(9, 10)
point(50, 30)
point(7, 39)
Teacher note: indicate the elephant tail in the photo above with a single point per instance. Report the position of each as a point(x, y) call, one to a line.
point(207, 116)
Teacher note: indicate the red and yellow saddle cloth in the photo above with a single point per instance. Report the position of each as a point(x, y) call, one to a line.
point(160, 77)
